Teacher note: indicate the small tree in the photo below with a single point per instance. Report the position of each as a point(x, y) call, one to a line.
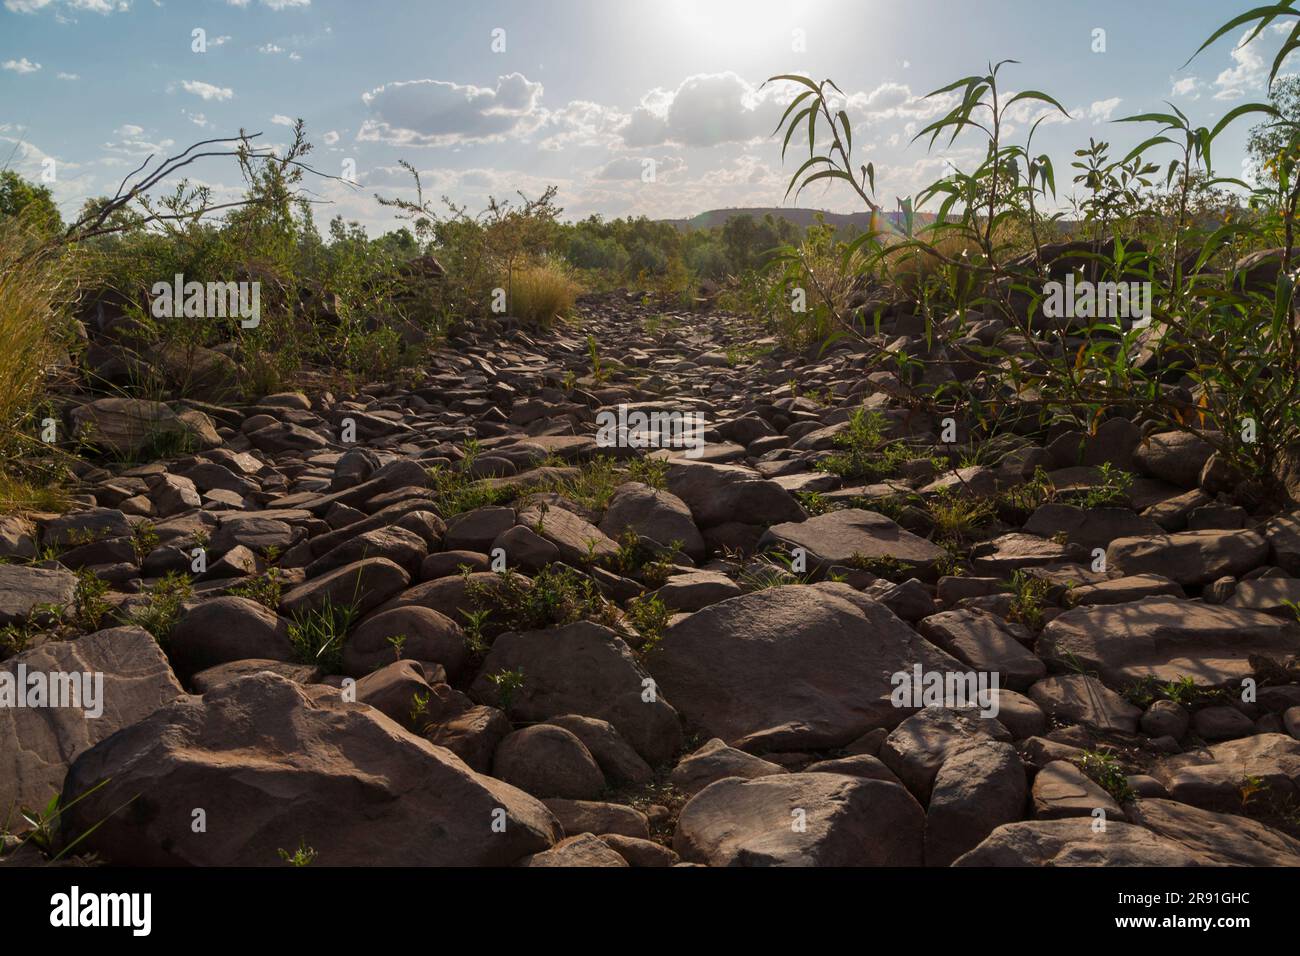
point(34, 204)
point(1273, 144)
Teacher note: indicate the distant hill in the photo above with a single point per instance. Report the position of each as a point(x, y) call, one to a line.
point(802, 218)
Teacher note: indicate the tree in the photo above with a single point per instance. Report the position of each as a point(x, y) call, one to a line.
point(33, 203)
point(1272, 142)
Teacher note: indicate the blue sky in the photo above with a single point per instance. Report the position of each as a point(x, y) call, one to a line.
point(584, 91)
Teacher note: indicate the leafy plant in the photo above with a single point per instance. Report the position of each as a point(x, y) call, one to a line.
point(1104, 770)
point(507, 684)
point(167, 597)
point(302, 856)
point(649, 616)
point(1029, 595)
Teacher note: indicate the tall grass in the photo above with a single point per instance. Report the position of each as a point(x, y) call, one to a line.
point(33, 285)
point(542, 294)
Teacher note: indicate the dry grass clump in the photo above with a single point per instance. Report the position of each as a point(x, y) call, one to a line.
point(31, 287)
point(542, 293)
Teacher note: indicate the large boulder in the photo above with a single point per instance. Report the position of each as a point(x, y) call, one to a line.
point(1089, 527)
point(717, 494)
point(1081, 698)
point(1175, 457)
point(39, 743)
point(984, 642)
point(413, 632)
point(714, 761)
point(1074, 842)
point(26, 591)
point(1226, 839)
point(1166, 639)
point(802, 819)
point(578, 541)
point(126, 426)
point(227, 629)
point(583, 669)
point(1190, 557)
point(404, 548)
point(918, 748)
point(273, 765)
point(652, 513)
point(1212, 777)
point(362, 586)
point(978, 788)
point(791, 668)
point(548, 761)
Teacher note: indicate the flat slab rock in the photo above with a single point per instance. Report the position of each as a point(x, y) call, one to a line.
point(1191, 557)
point(801, 667)
point(1211, 777)
point(1225, 839)
point(1167, 639)
point(1080, 698)
point(839, 537)
point(37, 745)
point(1074, 842)
point(23, 590)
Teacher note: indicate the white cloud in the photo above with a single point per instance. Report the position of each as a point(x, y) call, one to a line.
point(270, 48)
point(21, 66)
point(1252, 60)
point(131, 142)
point(634, 168)
point(890, 101)
point(279, 119)
point(330, 138)
point(104, 7)
point(273, 4)
point(206, 90)
point(582, 123)
point(1101, 110)
point(442, 113)
point(69, 76)
point(707, 109)
point(32, 163)
point(1188, 86)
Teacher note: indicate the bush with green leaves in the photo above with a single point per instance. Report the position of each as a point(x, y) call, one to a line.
point(1221, 356)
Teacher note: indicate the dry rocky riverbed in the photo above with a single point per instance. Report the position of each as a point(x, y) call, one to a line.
point(755, 727)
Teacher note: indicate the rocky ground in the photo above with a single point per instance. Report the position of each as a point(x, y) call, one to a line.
point(310, 653)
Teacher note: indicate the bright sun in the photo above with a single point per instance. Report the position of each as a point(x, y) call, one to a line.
point(742, 22)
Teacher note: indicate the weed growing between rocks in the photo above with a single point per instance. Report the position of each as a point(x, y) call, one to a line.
point(165, 600)
point(555, 596)
point(318, 633)
point(1104, 769)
